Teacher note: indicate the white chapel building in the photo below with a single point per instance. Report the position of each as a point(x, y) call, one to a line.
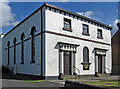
point(52, 42)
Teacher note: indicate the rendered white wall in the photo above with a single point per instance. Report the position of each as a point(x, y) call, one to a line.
point(54, 23)
point(52, 55)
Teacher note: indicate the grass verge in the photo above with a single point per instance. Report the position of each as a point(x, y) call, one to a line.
point(33, 81)
point(114, 84)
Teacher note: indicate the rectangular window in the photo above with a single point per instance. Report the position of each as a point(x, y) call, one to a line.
point(33, 48)
point(22, 52)
point(85, 30)
point(14, 53)
point(99, 34)
point(67, 24)
point(8, 45)
point(8, 55)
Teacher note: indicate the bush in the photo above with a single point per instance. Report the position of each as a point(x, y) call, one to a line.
point(5, 69)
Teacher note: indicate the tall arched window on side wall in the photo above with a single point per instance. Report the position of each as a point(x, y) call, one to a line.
point(32, 33)
point(8, 45)
point(85, 58)
point(14, 42)
point(22, 48)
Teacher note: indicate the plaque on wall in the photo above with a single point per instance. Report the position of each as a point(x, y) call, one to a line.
point(86, 67)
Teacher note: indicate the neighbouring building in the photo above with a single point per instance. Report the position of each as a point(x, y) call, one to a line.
point(52, 42)
point(1, 35)
point(116, 52)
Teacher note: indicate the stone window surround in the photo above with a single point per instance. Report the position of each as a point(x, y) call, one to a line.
point(85, 33)
point(100, 32)
point(68, 22)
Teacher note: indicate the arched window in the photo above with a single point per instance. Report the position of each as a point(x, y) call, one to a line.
point(86, 58)
point(14, 42)
point(32, 33)
point(85, 55)
point(22, 48)
point(8, 45)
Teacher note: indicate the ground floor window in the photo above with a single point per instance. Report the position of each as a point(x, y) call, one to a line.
point(8, 45)
point(85, 58)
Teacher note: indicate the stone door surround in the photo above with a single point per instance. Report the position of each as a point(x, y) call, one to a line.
point(67, 47)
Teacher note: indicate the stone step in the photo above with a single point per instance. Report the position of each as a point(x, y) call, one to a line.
point(103, 75)
point(71, 77)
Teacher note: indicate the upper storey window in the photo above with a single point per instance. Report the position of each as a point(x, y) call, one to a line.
point(85, 30)
point(99, 34)
point(67, 24)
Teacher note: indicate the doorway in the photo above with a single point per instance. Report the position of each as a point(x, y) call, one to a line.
point(67, 63)
point(99, 63)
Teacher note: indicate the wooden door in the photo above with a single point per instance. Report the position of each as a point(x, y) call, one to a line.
point(67, 63)
point(99, 64)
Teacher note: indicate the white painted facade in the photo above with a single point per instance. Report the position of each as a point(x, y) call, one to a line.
point(53, 60)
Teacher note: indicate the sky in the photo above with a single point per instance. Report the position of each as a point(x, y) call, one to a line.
point(14, 12)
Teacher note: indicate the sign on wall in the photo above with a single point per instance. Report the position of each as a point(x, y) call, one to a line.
point(86, 66)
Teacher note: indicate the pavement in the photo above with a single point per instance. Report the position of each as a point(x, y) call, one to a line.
point(21, 83)
point(52, 83)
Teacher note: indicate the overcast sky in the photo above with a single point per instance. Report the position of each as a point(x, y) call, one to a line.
point(15, 12)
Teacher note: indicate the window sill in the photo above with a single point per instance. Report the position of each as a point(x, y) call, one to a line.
point(86, 34)
point(66, 29)
point(22, 63)
point(85, 63)
point(100, 37)
point(32, 62)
